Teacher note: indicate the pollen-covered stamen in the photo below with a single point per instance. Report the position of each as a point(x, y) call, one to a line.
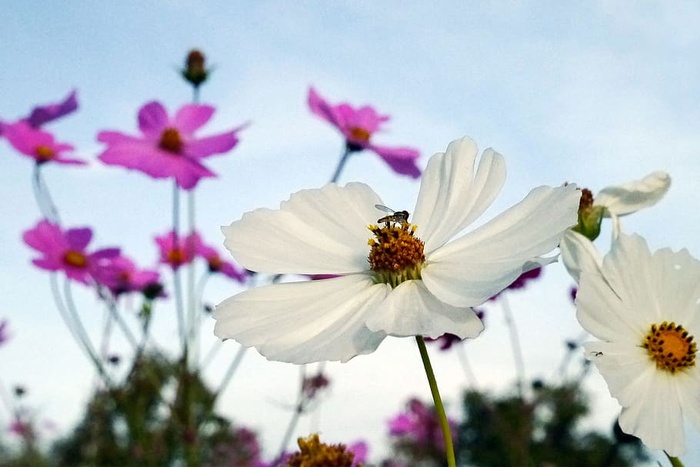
point(171, 141)
point(670, 346)
point(396, 254)
point(44, 153)
point(75, 259)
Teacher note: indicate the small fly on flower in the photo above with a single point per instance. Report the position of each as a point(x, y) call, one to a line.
point(398, 217)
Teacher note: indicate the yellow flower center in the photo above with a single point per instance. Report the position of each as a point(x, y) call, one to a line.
point(314, 453)
point(396, 254)
point(360, 134)
point(75, 259)
point(670, 346)
point(44, 153)
point(171, 141)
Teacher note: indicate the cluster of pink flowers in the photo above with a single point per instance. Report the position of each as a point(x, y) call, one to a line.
point(420, 425)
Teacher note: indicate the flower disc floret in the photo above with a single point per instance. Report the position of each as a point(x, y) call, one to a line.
point(396, 254)
point(671, 347)
point(171, 141)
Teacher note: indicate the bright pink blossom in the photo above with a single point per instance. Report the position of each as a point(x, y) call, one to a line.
point(217, 264)
point(358, 125)
point(168, 146)
point(420, 424)
point(43, 114)
point(359, 449)
point(66, 250)
point(120, 275)
point(38, 144)
point(176, 250)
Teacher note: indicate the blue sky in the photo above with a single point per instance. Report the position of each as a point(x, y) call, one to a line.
point(595, 93)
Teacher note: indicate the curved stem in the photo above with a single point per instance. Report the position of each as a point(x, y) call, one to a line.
point(42, 196)
point(230, 371)
point(466, 366)
point(177, 284)
point(439, 407)
point(675, 462)
point(192, 303)
point(514, 342)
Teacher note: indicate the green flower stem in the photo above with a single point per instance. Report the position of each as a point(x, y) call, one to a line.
point(675, 462)
point(439, 408)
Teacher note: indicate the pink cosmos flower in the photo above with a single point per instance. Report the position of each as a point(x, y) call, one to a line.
point(66, 250)
point(358, 125)
point(121, 276)
point(359, 449)
point(420, 424)
point(177, 250)
point(167, 146)
point(43, 114)
point(218, 264)
point(38, 144)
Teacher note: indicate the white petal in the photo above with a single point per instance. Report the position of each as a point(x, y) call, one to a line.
point(656, 417)
point(579, 254)
point(411, 310)
point(627, 269)
point(631, 197)
point(601, 312)
point(676, 281)
point(451, 195)
point(319, 231)
point(304, 322)
point(473, 268)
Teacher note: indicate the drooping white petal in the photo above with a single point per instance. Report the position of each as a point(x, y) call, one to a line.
point(630, 197)
point(473, 268)
point(304, 322)
point(579, 254)
point(689, 396)
point(319, 231)
point(411, 310)
point(452, 195)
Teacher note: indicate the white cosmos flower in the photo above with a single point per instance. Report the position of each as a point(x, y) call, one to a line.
point(645, 309)
point(423, 282)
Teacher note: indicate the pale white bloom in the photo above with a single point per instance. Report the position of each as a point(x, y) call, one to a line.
point(645, 309)
point(577, 251)
point(419, 281)
point(621, 200)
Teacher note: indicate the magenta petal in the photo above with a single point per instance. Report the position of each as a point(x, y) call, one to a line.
point(189, 173)
point(79, 238)
point(46, 113)
point(115, 137)
point(191, 117)
point(323, 109)
point(106, 253)
point(401, 160)
point(153, 119)
point(46, 236)
point(217, 144)
point(139, 155)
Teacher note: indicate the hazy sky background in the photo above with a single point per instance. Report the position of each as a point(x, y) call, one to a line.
point(596, 93)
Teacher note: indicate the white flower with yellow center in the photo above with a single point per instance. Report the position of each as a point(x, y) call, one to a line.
point(394, 277)
point(645, 308)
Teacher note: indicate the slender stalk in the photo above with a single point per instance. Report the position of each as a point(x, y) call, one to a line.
point(298, 410)
point(437, 400)
point(675, 462)
point(192, 310)
point(231, 370)
point(514, 342)
point(466, 366)
point(177, 284)
point(42, 196)
point(341, 164)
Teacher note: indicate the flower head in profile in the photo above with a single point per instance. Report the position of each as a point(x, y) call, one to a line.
point(168, 146)
point(314, 453)
point(217, 264)
point(176, 250)
point(42, 114)
point(358, 125)
point(645, 309)
point(120, 276)
point(393, 277)
point(38, 144)
point(66, 250)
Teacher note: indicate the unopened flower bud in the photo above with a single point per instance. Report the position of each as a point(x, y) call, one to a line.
point(195, 71)
point(590, 216)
